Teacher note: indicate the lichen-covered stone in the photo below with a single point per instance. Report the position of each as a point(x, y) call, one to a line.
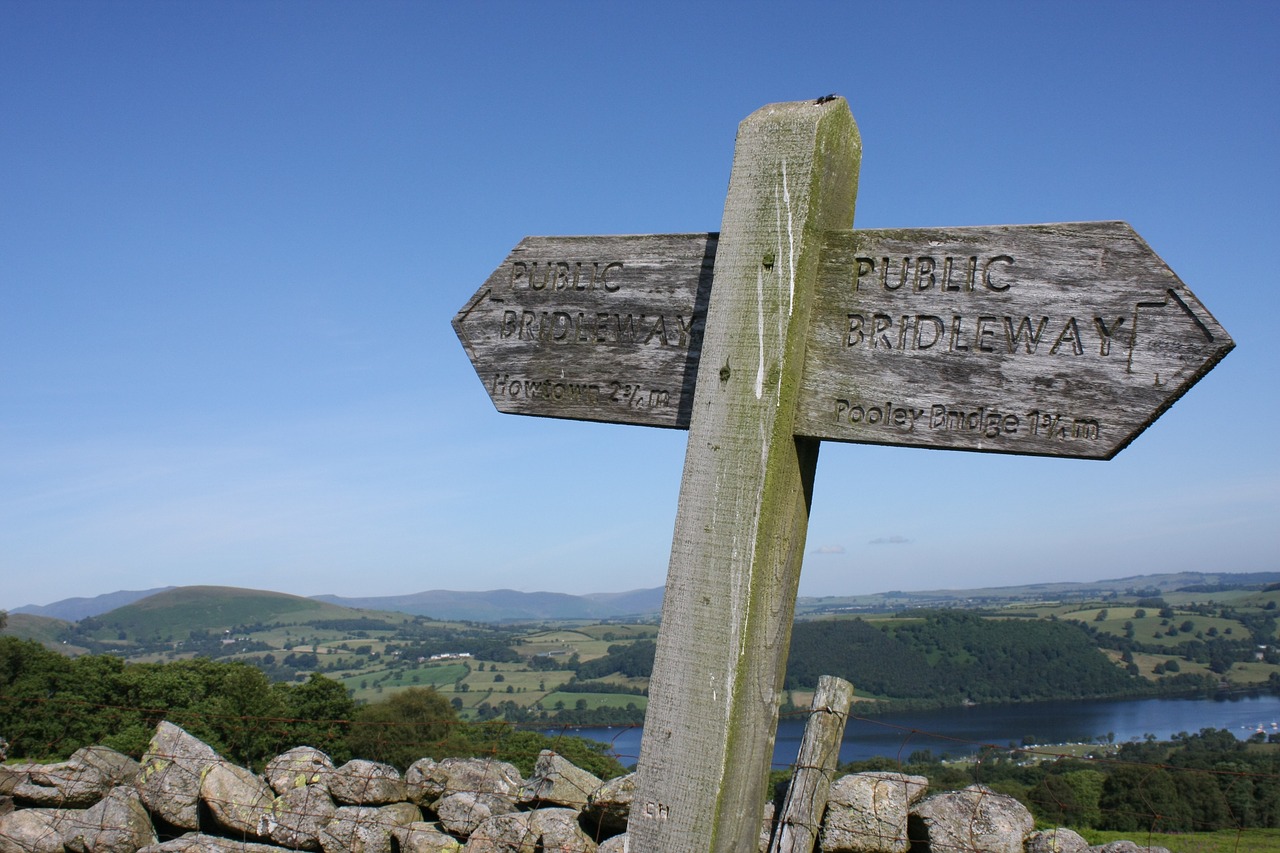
point(605, 813)
point(236, 798)
point(1060, 840)
point(367, 783)
point(974, 819)
point(867, 812)
point(297, 768)
point(429, 780)
point(80, 781)
point(423, 837)
point(504, 833)
point(462, 812)
point(1126, 847)
point(172, 768)
point(366, 829)
point(296, 818)
point(557, 781)
point(12, 775)
point(198, 842)
point(118, 823)
point(34, 831)
point(558, 829)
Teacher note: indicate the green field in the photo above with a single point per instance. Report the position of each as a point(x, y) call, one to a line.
point(1223, 841)
point(369, 651)
point(594, 700)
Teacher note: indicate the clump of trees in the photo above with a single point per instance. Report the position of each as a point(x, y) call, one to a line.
point(946, 657)
point(51, 705)
point(1196, 783)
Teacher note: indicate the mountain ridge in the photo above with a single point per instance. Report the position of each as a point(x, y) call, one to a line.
point(507, 605)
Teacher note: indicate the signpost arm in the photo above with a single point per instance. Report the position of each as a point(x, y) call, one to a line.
point(744, 497)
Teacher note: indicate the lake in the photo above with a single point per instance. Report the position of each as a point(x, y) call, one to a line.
point(964, 731)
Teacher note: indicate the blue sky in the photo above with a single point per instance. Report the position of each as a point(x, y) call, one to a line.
point(232, 236)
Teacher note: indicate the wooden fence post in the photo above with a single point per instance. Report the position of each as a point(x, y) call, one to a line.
point(744, 497)
point(798, 824)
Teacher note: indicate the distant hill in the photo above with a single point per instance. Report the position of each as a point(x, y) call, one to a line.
point(75, 609)
point(180, 610)
point(43, 629)
point(508, 605)
point(227, 605)
point(1135, 585)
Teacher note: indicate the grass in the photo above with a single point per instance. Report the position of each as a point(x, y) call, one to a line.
point(1223, 841)
point(567, 642)
point(595, 700)
point(389, 679)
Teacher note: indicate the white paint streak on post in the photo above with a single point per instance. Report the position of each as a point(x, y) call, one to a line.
point(815, 769)
point(744, 497)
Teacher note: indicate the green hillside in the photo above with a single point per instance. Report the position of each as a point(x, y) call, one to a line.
point(178, 612)
point(953, 657)
point(44, 630)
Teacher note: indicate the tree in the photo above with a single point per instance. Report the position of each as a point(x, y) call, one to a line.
point(414, 723)
point(1087, 787)
point(1138, 798)
point(320, 710)
point(1054, 801)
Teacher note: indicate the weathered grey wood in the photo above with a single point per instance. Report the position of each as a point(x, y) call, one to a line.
point(593, 328)
point(815, 770)
point(743, 511)
point(1055, 340)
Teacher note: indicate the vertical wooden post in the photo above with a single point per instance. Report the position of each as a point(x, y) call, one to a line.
point(744, 498)
point(815, 768)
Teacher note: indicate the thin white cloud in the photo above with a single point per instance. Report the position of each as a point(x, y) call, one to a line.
point(890, 540)
point(828, 549)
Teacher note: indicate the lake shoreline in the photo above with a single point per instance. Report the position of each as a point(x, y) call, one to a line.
point(962, 731)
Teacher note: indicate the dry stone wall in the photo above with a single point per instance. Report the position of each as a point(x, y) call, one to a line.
point(182, 797)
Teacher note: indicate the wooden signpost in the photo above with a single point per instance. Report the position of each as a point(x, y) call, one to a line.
point(788, 328)
point(1054, 340)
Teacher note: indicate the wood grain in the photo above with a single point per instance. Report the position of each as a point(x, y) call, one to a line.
point(593, 328)
point(1055, 340)
point(743, 511)
point(815, 770)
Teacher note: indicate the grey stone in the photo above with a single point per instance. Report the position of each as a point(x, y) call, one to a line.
point(236, 798)
point(33, 831)
point(172, 768)
point(430, 780)
point(605, 813)
point(80, 781)
point(422, 837)
point(1059, 840)
point(504, 833)
point(556, 781)
point(558, 829)
point(296, 818)
point(531, 832)
point(12, 775)
point(118, 823)
point(1126, 847)
point(974, 819)
point(462, 812)
point(367, 783)
point(197, 842)
point(617, 844)
point(298, 768)
point(867, 812)
point(366, 829)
